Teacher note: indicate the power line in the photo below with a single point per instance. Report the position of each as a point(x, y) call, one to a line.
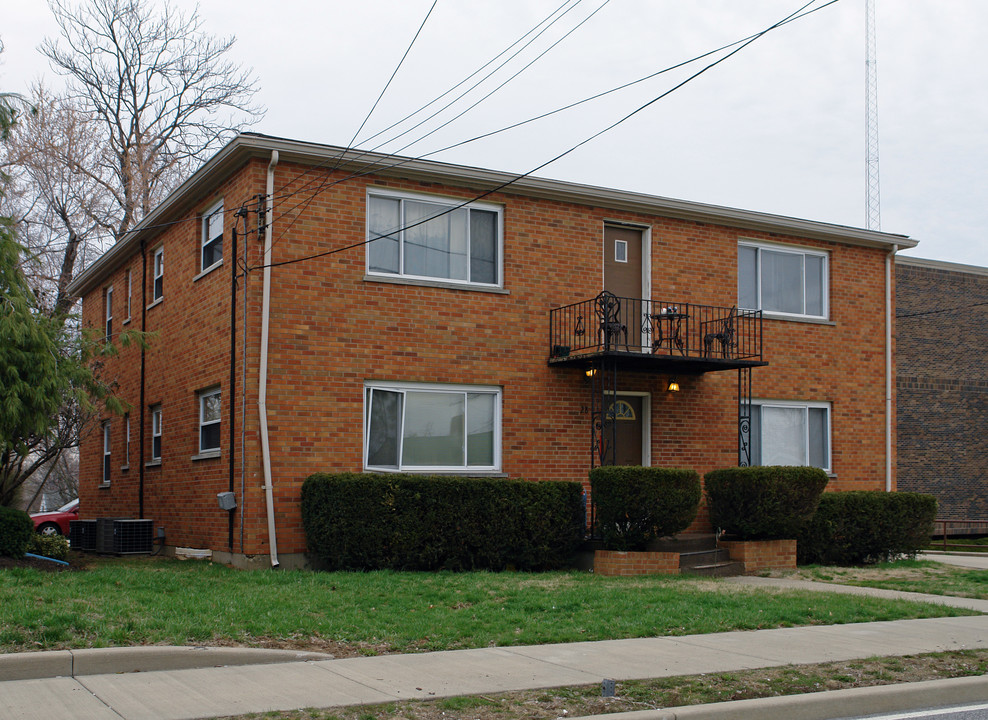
point(325, 183)
point(560, 155)
point(942, 310)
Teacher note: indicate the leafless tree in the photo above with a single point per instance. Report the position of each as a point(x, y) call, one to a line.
point(162, 91)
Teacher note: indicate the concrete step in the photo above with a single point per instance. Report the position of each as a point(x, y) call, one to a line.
point(703, 557)
point(685, 543)
point(720, 569)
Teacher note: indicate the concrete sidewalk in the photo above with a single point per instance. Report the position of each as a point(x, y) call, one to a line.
point(102, 684)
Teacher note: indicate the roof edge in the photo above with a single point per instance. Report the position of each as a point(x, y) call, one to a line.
point(940, 265)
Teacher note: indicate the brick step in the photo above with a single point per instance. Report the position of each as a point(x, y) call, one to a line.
point(719, 569)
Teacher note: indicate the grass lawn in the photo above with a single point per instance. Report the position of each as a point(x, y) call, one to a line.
point(139, 601)
point(908, 575)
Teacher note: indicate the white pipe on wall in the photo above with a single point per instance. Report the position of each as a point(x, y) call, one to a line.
point(888, 367)
point(262, 389)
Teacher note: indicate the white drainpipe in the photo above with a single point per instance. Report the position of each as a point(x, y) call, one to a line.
point(262, 389)
point(888, 368)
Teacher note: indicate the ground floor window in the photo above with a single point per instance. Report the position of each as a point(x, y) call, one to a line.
point(424, 428)
point(790, 433)
point(106, 452)
point(156, 432)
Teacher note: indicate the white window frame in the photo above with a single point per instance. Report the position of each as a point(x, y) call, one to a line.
point(156, 431)
point(806, 406)
point(130, 285)
point(404, 388)
point(439, 202)
point(126, 464)
point(621, 251)
point(158, 275)
point(207, 240)
point(790, 250)
point(108, 304)
point(107, 453)
point(203, 396)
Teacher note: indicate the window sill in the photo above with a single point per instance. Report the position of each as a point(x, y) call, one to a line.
point(797, 318)
point(398, 280)
point(127, 321)
point(208, 455)
point(208, 270)
point(455, 473)
point(103, 486)
point(152, 463)
point(124, 468)
point(156, 302)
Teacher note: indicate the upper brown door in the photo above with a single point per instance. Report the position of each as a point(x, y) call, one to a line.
point(623, 277)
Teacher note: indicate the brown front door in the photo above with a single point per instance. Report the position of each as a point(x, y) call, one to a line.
point(626, 413)
point(623, 277)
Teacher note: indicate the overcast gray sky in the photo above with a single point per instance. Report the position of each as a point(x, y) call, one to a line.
point(778, 127)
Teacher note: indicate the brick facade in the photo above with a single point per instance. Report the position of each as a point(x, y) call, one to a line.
point(758, 555)
point(942, 384)
point(616, 563)
point(334, 327)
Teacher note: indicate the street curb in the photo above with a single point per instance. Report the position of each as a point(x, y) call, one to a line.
point(144, 658)
point(851, 702)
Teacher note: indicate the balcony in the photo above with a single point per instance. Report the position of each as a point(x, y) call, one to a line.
point(652, 335)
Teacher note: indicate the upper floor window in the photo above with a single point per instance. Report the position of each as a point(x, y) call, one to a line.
point(108, 303)
point(790, 433)
point(432, 427)
point(425, 238)
point(209, 420)
point(106, 452)
point(782, 281)
point(212, 236)
point(129, 293)
point(159, 274)
point(156, 432)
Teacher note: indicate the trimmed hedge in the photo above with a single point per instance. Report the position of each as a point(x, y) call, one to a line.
point(363, 521)
point(763, 503)
point(634, 505)
point(863, 526)
point(16, 530)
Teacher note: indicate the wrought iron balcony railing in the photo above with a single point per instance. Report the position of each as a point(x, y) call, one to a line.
point(676, 330)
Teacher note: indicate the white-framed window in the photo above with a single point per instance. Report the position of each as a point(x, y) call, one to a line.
point(126, 440)
point(158, 266)
point(783, 281)
point(130, 287)
point(209, 420)
point(426, 238)
point(106, 452)
point(212, 237)
point(108, 305)
point(156, 432)
point(429, 428)
point(621, 251)
point(790, 433)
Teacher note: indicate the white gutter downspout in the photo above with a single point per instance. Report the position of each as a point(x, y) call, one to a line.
point(262, 382)
point(888, 367)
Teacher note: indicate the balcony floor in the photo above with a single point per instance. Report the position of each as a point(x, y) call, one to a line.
point(655, 362)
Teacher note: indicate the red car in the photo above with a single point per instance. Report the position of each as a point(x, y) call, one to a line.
point(57, 521)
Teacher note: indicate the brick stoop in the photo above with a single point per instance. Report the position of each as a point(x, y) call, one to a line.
point(686, 554)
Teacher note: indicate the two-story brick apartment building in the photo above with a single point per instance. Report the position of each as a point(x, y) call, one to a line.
point(409, 315)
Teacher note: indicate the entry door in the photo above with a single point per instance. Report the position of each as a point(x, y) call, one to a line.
point(623, 277)
point(626, 412)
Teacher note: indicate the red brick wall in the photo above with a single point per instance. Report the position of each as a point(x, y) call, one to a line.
point(332, 329)
point(613, 562)
point(757, 555)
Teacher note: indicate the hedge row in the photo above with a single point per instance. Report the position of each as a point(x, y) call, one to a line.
point(856, 527)
point(761, 503)
point(635, 505)
point(16, 529)
point(368, 521)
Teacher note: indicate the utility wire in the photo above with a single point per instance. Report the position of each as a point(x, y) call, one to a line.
point(388, 83)
point(560, 155)
point(374, 167)
point(942, 310)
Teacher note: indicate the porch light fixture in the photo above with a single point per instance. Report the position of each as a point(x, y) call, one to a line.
point(673, 386)
point(590, 372)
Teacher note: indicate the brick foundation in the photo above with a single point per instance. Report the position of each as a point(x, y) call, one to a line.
point(758, 555)
point(613, 562)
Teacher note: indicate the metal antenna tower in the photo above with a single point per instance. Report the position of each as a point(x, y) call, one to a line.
point(873, 194)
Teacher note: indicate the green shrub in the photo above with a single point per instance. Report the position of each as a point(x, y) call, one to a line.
point(862, 526)
point(413, 522)
point(52, 546)
point(634, 505)
point(16, 530)
point(763, 503)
